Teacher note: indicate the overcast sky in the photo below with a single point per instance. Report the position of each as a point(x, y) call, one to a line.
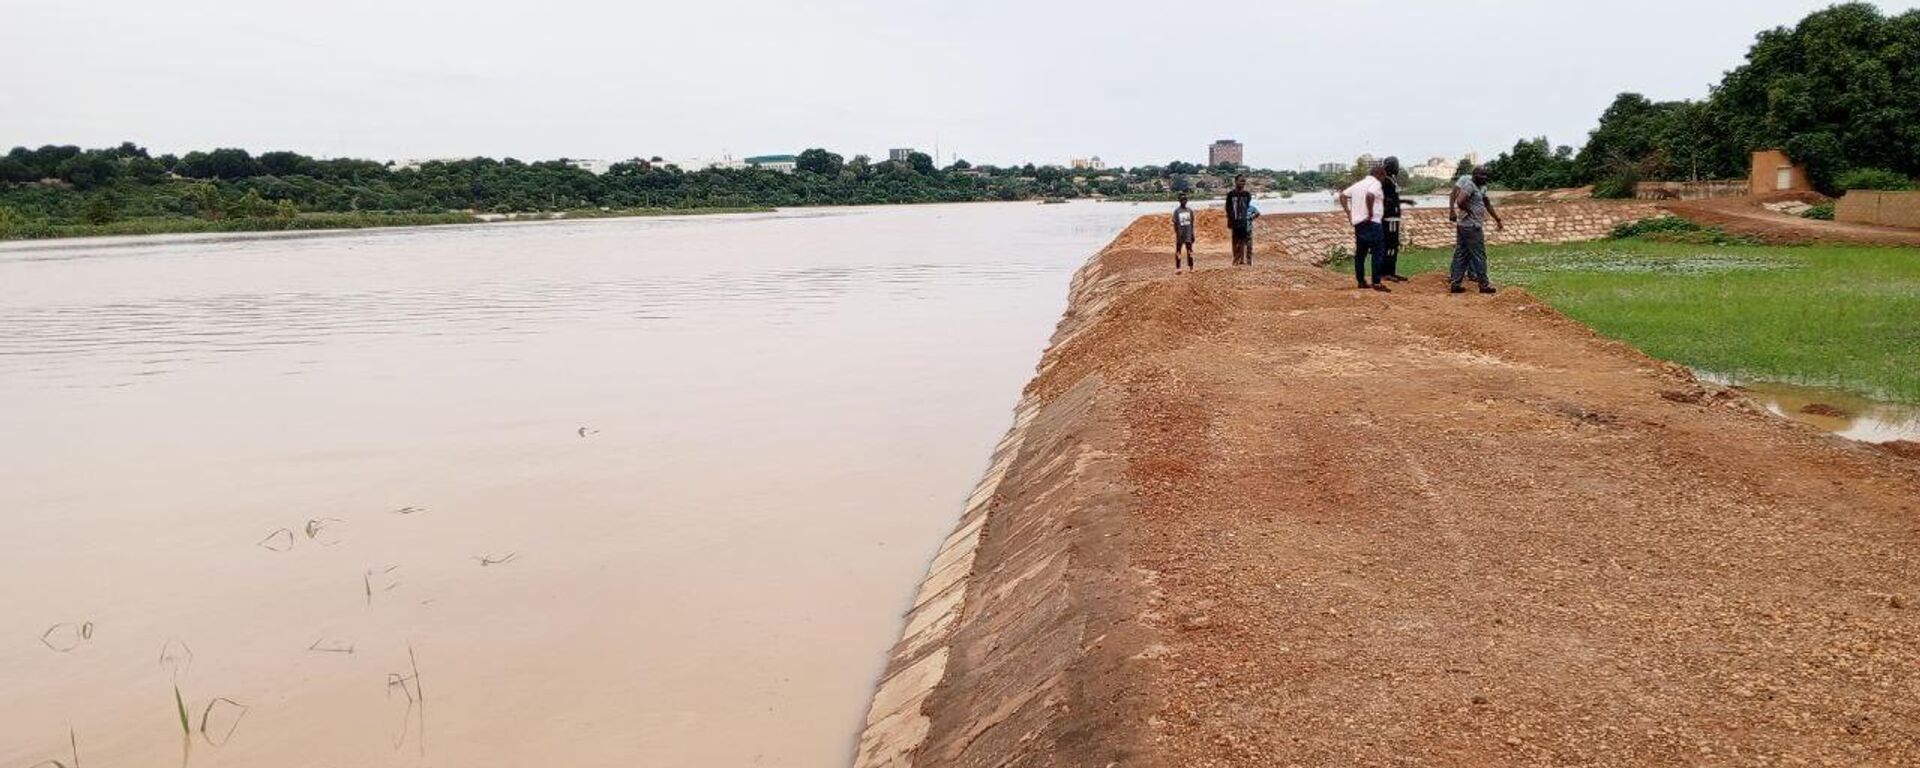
point(993, 80)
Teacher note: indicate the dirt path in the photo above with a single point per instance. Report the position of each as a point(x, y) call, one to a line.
point(1262, 519)
point(1743, 215)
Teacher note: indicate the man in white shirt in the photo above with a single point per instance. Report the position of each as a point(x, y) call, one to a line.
point(1365, 204)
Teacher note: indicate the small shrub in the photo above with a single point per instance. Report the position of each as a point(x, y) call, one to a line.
point(1673, 229)
point(1659, 225)
point(1823, 212)
point(1873, 178)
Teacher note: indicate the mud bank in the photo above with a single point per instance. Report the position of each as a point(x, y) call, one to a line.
point(1254, 517)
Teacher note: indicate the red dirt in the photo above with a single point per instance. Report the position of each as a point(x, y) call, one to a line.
point(1268, 520)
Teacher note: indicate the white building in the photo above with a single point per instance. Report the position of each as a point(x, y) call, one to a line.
point(595, 167)
point(1089, 164)
point(1434, 168)
point(781, 163)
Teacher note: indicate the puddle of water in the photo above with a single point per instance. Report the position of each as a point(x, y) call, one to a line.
point(1842, 413)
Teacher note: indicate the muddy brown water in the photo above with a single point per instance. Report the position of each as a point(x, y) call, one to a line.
point(1842, 413)
point(603, 493)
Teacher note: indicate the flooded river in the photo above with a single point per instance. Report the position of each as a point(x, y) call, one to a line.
point(638, 492)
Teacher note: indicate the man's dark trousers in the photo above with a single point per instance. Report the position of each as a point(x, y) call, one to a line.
point(1369, 241)
point(1390, 247)
point(1469, 256)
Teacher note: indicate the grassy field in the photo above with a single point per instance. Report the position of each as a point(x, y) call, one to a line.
point(1846, 317)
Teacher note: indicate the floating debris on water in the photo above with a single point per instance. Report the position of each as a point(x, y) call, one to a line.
point(486, 560)
point(222, 717)
point(280, 540)
point(319, 525)
point(323, 645)
point(66, 636)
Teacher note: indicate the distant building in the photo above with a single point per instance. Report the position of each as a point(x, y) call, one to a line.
point(1434, 168)
point(1773, 171)
point(723, 162)
point(781, 163)
point(1332, 169)
point(1226, 151)
point(412, 163)
point(595, 167)
point(899, 155)
point(1089, 164)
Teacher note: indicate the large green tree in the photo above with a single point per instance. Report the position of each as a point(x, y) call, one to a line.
point(1839, 90)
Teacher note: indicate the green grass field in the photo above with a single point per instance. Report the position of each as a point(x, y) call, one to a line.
point(1845, 317)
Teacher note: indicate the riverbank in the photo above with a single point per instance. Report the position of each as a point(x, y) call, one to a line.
point(1255, 517)
point(326, 221)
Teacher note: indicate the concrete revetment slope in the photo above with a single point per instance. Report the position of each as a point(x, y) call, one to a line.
point(1254, 517)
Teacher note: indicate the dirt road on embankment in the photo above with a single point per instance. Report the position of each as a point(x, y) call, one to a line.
point(1257, 518)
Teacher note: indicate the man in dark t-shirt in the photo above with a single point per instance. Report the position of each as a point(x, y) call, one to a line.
point(1390, 247)
point(1240, 220)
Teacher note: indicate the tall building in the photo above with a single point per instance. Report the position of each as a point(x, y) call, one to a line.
point(899, 155)
point(1332, 169)
point(1226, 151)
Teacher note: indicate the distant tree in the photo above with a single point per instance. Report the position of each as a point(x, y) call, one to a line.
point(101, 209)
point(1463, 168)
point(207, 203)
point(13, 170)
point(960, 165)
point(921, 162)
point(287, 164)
point(252, 206)
point(819, 161)
point(89, 170)
point(1183, 167)
point(1532, 165)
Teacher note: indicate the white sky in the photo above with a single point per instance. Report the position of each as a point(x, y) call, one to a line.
point(998, 81)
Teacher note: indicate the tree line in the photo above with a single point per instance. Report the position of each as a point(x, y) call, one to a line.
point(68, 185)
point(1839, 92)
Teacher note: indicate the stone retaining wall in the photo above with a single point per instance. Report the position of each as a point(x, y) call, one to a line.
point(1316, 237)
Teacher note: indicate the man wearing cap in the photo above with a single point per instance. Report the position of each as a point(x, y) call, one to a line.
point(1469, 210)
point(1364, 203)
point(1390, 220)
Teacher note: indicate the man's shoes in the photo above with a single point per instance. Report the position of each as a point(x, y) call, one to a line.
point(1488, 289)
point(1382, 288)
point(1455, 289)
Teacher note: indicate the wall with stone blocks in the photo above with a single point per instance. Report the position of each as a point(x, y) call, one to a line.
point(1314, 237)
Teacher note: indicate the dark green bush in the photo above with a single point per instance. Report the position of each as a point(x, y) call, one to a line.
point(1673, 229)
point(1823, 212)
point(1872, 178)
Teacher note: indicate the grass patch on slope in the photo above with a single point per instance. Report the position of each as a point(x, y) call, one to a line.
point(1839, 316)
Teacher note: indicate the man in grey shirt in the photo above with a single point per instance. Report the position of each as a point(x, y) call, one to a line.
point(1182, 234)
point(1469, 212)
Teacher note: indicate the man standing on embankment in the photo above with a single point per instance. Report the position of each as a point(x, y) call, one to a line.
point(1182, 234)
point(1240, 215)
point(1390, 221)
point(1469, 211)
point(1365, 203)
